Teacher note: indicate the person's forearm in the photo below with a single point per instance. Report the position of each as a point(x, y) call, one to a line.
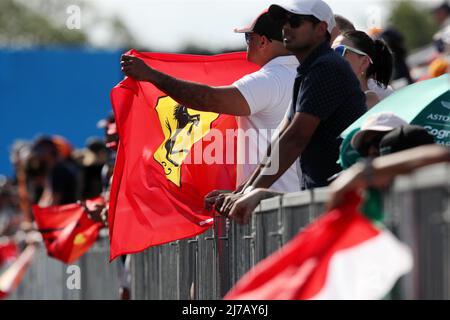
point(290, 149)
point(250, 180)
point(409, 160)
point(267, 193)
point(266, 160)
point(190, 94)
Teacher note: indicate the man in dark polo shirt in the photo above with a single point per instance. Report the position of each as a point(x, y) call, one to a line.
point(327, 98)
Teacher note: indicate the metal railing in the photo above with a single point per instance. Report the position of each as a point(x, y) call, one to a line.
point(47, 278)
point(417, 210)
point(205, 267)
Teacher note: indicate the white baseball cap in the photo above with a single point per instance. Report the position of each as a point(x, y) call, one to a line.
point(381, 122)
point(316, 8)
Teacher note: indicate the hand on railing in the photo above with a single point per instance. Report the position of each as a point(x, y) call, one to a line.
point(215, 198)
point(242, 207)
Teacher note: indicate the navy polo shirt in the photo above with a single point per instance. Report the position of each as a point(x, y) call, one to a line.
point(326, 88)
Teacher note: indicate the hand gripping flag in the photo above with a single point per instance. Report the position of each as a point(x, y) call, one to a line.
point(67, 231)
point(340, 256)
point(169, 156)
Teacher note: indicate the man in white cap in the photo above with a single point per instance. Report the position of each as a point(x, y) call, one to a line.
point(326, 99)
point(260, 99)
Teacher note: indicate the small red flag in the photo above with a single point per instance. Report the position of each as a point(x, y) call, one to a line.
point(11, 278)
point(342, 255)
point(157, 194)
point(8, 252)
point(67, 231)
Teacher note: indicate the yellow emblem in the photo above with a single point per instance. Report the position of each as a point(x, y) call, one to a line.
point(79, 239)
point(182, 127)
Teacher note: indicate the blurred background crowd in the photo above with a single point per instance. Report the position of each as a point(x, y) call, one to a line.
point(47, 65)
point(58, 140)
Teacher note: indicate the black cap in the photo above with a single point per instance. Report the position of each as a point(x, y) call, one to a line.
point(265, 26)
point(404, 137)
point(443, 6)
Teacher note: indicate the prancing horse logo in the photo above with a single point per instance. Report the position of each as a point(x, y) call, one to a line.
point(183, 119)
point(182, 127)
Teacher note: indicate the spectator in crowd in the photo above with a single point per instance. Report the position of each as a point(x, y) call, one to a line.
point(327, 98)
point(363, 142)
point(438, 67)
point(60, 175)
point(403, 150)
point(260, 99)
point(10, 218)
point(366, 140)
point(396, 139)
point(111, 141)
point(396, 42)
point(342, 26)
point(91, 161)
point(99, 212)
point(374, 33)
point(369, 59)
point(64, 147)
point(19, 155)
point(441, 15)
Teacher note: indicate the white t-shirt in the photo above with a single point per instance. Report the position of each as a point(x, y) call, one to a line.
point(268, 92)
point(380, 91)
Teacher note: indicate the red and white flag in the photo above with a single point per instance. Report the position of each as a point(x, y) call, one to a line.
point(342, 255)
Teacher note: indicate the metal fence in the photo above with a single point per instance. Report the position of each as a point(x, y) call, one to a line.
point(205, 267)
point(48, 278)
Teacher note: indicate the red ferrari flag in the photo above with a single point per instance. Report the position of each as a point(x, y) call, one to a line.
point(67, 231)
point(169, 156)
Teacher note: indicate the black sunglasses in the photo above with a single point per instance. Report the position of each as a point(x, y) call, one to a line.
point(295, 20)
point(248, 37)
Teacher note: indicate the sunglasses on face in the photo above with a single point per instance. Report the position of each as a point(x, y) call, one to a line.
point(294, 20)
point(342, 50)
point(248, 37)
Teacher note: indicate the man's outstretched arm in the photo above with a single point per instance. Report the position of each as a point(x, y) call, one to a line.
point(223, 100)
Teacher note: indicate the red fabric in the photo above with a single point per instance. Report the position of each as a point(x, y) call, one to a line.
point(8, 252)
point(67, 231)
point(298, 270)
point(13, 275)
point(150, 202)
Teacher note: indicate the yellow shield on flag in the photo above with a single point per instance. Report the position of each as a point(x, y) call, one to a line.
point(182, 127)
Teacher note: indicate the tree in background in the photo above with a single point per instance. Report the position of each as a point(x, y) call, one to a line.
point(21, 26)
point(25, 23)
point(414, 21)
